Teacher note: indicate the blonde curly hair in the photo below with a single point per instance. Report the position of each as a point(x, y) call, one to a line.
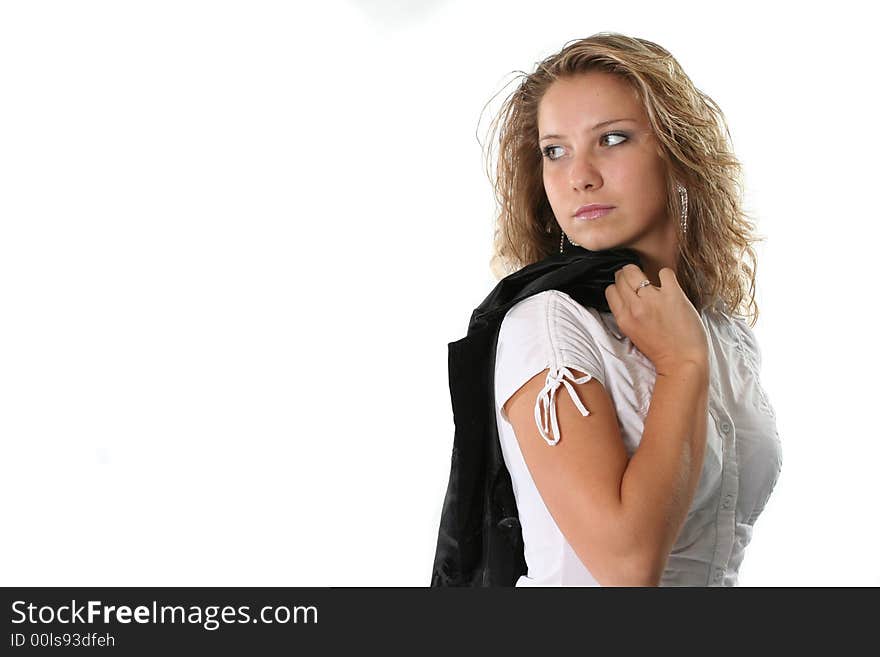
point(716, 260)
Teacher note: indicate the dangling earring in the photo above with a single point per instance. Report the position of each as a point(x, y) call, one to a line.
point(683, 197)
point(562, 238)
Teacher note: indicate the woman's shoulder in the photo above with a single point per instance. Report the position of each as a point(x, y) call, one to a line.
point(549, 303)
point(737, 328)
point(556, 314)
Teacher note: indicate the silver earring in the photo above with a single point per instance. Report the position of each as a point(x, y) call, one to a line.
point(562, 239)
point(683, 197)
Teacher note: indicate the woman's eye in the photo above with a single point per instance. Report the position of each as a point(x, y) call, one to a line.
point(618, 136)
point(615, 134)
point(547, 150)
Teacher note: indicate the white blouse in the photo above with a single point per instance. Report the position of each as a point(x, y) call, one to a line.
point(742, 461)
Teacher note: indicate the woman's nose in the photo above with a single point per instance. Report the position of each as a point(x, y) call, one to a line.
point(583, 172)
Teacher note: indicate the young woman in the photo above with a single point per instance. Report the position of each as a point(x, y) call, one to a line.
point(640, 445)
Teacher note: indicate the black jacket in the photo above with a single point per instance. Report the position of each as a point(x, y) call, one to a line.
point(480, 539)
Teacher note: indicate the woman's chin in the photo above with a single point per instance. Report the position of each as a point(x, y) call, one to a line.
point(591, 243)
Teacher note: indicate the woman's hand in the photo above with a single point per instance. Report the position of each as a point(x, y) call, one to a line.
point(660, 321)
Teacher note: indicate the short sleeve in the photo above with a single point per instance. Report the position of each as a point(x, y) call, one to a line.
point(548, 330)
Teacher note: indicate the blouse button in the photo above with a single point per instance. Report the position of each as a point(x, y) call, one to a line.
point(725, 427)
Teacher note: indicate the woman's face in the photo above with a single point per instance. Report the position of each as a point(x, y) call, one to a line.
point(587, 159)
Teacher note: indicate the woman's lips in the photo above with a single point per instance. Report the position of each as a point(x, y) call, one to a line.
point(589, 215)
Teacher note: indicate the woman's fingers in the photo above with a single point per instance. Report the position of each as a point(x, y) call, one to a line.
point(628, 278)
point(613, 298)
point(667, 277)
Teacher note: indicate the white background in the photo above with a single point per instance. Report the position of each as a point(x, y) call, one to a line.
point(236, 238)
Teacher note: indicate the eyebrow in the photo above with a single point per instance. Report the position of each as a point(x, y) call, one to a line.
point(595, 127)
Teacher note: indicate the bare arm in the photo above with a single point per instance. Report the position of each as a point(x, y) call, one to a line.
point(662, 476)
point(621, 516)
